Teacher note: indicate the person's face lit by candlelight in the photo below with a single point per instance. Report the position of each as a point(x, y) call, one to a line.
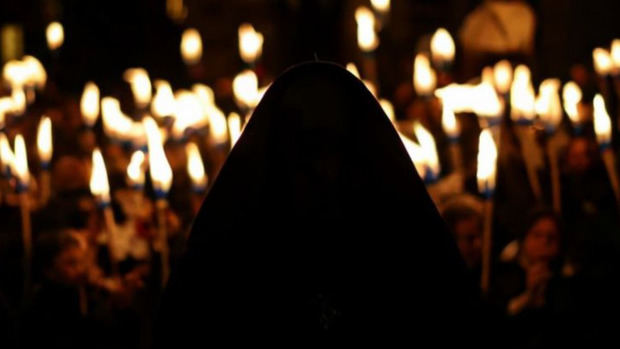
point(468, 235)
point(541, 243)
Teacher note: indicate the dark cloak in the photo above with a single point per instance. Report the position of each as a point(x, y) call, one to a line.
point(318, 229)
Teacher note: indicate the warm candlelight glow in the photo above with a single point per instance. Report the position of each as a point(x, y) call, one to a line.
point(140, 84)
point(89, 103)
point(163, 101)
point(135, 171)
point(218, 129)
point(522, 96)
point(195, 167)
point(367, 39)
point(250, 43)
point(427, 142)
point(205, 94)
point(99, 185)
point(245, 88)
point(21, 161)
point(417, 155)
point(159, 168)
point(571, 93)
point(15, 74)
point(487, 159)
point(115, 123)
point(602, 122)
point(388, 109)
point(486, 102)
point(442, 47)
point(44, 139)
point(191, 46)
point(6, 154)
point(234, 128)
point(381, 6)
point(55, 35)
point(615, 54)
point(18, 97)
point(35, 72)
point(602, 61)
point(188, 113)
point(448, 121)
point(424, 78)
point(502, 76)
point(548, 103)
point(371, 87)
point(460, 97)
point(353, 69)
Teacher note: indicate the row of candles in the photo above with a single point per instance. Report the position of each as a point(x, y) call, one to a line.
point(195, 109)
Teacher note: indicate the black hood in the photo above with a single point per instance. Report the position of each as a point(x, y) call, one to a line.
point(317, 227)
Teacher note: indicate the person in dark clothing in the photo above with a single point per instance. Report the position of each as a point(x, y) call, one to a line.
point(318, 229)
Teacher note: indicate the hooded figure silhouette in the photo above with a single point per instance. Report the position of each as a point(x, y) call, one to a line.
point(318, 230)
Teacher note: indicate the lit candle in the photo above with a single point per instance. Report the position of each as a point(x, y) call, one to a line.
point(7, 156)
point(188, 113)
point(140, 84)
point(571, 94)
point(250, 43)
point(44, 147)
point(451, 128)
point(89, 104)
point(55, 35)
point(615, 55)
point(487, 105)
point(218, 126)
point(161, 177)
point(22, 175)
point(191, 46)
point(502, 76)
point(424, 78)
point(602, 128)
point(417, 155)
point(602, 61)
point(442, 49)
point(116, 124)
point(135, 170)
point(367, 39)
point(485, 175)
point(245, 89)
point(195, 168)
point(548, 104)
point(234, 128)
point(426, 141)
point(100, 188)
point(381, 6)
point(35, 72)
point(163, 101)
point(522, 96)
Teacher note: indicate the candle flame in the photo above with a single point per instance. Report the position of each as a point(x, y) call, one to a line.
point(55, 35)
point(417, 155)
point(486, 102)
point(218, 129)
point(18, 97)
point(89, 103)
point(163, 101)
point(188, 113)
point(602, 122)
point(21, 160)
point(6, 154)
point(487, 159)
point(44, 139)
point(571, 93)
point(99, 185)
point(502, 76)
point(15, 73)
point(460, 97)
point(250, 43)
point(135, 170)
point(602, 61)
point(234, 128)
point(191, 46)
point(442, 47)
point(548, 103)
point(353, 69)
point(245, 88)
point(205, 94)
point(140, 84)
point(522, 96)
point(615, 54)
point(367, 39)
point(424, 78)
point(6, 106)
point(159, 168)
point(381, 6)
point(115, 123)
point(195, 167)
point(427, 142)
point(388, 109)
point(448, 121)
point(35, 72)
